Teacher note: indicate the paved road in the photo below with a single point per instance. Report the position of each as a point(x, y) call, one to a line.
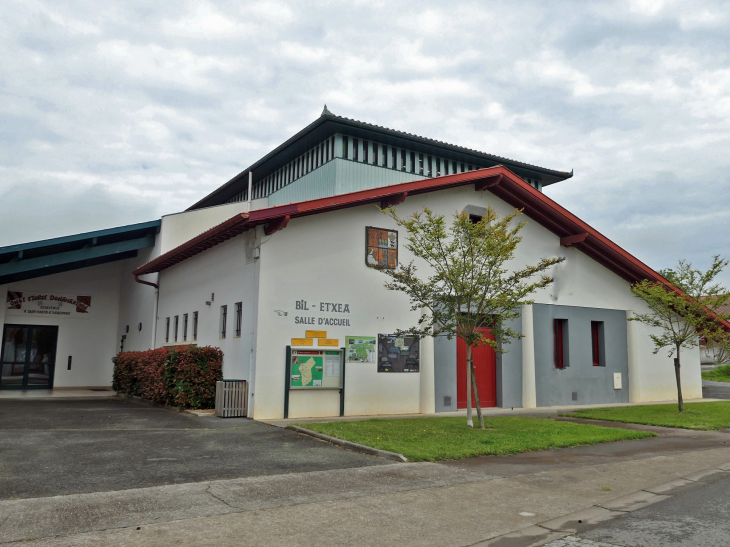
point(696, 516)
point(56, 447)
point(715, 390)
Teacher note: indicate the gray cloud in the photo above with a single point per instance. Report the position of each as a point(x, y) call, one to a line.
point(142, 108)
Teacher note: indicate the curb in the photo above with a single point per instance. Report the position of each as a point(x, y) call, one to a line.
point(352, 446)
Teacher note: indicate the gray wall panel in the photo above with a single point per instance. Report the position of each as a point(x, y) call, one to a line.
point(593, 385)
point(445, 372)
point(509, 371)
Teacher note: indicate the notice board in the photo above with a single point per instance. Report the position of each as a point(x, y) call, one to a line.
point(315, 368)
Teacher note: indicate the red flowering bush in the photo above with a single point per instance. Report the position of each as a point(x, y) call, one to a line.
point(180, 376)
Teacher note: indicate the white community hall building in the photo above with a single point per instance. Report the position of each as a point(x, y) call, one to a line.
point(275, 268)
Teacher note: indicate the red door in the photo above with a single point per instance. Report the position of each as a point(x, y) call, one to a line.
point(485, 369)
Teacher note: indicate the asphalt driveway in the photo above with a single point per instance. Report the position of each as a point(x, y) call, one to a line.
point(55, 447)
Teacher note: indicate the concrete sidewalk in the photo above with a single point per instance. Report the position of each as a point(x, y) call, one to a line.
point(462, 503)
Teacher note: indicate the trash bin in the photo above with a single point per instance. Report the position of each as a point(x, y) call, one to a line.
point(231, 398)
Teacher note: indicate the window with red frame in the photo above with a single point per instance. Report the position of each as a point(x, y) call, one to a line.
point(597, 343)
point(560, 332)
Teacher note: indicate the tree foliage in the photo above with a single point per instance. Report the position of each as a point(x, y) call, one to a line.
point(685, 312)
point(471, 279)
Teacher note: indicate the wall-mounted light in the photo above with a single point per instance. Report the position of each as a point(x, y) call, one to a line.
point(139, 327)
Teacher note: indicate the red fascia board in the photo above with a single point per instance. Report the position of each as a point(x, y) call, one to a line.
point(511, 188)
point(226, 230)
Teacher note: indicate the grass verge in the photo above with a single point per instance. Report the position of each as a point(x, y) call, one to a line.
point(720, 374)
point(702, 416)
point(433, 439)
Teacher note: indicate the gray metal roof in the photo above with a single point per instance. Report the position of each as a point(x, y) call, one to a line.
point(328, 124)
point(62, 254)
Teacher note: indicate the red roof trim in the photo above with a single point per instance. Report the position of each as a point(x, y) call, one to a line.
point(510, 188)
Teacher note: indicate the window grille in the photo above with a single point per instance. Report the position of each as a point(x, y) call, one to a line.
point(239, 316)
point(195, 325)
point(185, 327)
point(224, 317)
point(167, 330)
point(177, 322)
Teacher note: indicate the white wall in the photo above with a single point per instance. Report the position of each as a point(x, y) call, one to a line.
point(181, 227)
point(137, 302)
point(91, 342)
point(224, 271)
point(321, 258)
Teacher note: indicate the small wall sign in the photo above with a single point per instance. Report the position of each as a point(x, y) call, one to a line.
point(381, 248)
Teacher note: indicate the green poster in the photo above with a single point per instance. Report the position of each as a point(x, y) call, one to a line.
point(307, 369)
point(360, 349)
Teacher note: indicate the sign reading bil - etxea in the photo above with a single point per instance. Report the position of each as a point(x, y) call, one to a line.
point(47, 304)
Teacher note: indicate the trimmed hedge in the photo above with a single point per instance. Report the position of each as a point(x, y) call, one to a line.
point(182, 376)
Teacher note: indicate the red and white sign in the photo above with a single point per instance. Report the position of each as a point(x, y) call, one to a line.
point(47, 304)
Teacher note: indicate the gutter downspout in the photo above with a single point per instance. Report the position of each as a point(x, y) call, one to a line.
point(156, 304)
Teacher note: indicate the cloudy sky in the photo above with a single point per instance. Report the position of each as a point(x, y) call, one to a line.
point(117, 112)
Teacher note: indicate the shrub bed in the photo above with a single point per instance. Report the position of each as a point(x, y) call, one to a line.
point(182, 376)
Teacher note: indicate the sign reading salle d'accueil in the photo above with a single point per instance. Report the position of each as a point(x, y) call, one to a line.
point(336, 313)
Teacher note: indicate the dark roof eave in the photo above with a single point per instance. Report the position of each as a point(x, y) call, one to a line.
point(551, 176)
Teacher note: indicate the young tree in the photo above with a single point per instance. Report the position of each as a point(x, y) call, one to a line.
point(686, 314)
point(469, 283)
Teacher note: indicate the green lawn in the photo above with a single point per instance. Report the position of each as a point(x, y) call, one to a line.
point(703, 416)
point(720, 374)
point(432, 439)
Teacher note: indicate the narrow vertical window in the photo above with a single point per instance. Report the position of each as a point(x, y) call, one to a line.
point(375, 154)
point(327, 151)
point(355, 150)
point(560, 332)
point(167, 330)
point(597, 346)
point(177, 322)
point(185, 327)
point(403, 160)
point(195, 325)
point(438, 167)
point(420, 164)
point(413, 162)
point(239, 317)
point(365, 151)
point(394, 153)
point(454, 170)
point(429, 167)
point(224, 318)
point(332, 156)
point(462, 168)
point(385, 156)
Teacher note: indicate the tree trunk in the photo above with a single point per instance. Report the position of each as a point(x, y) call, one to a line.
point(469, 421)
point(680, 400)
point(476, 397)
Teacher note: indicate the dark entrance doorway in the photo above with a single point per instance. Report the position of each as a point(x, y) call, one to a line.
point(485, 369)
point(28, 357)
